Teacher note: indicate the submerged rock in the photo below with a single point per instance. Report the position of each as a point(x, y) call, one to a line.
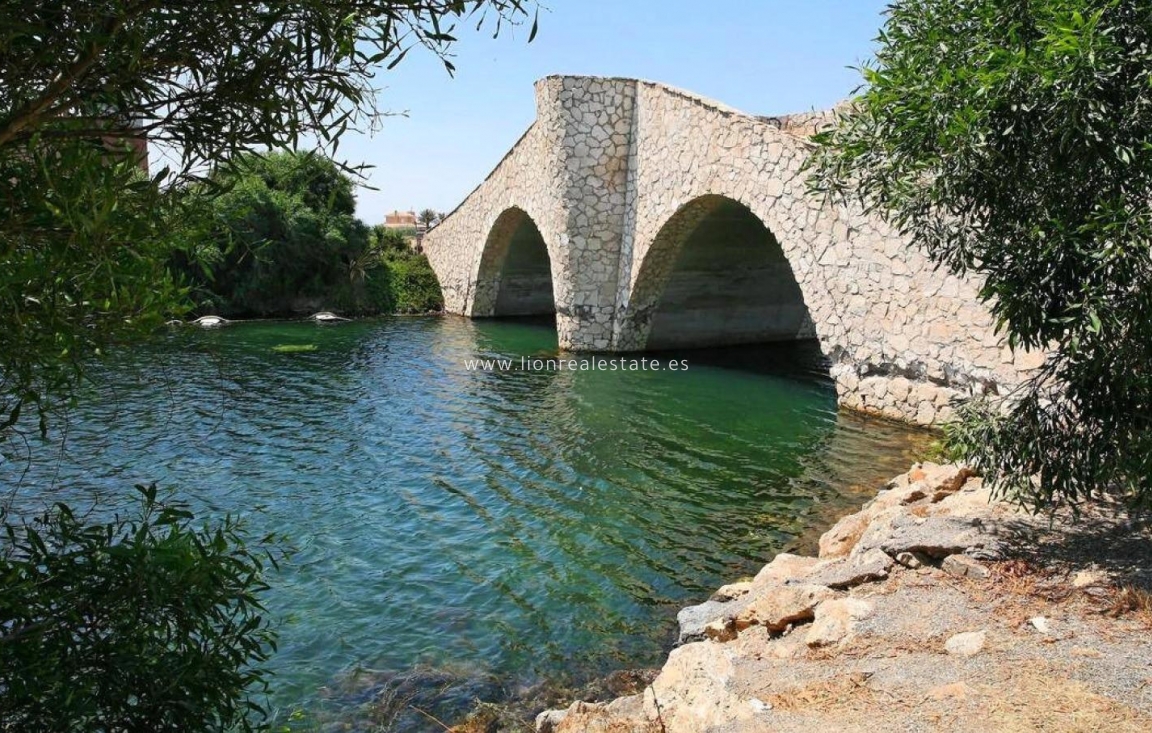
point(390, 700)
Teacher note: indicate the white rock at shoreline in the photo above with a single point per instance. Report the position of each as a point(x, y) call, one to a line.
point(210, 322)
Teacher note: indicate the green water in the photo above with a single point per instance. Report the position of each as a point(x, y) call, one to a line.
point(505, 528)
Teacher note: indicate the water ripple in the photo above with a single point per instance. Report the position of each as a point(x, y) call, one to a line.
point(529, 525)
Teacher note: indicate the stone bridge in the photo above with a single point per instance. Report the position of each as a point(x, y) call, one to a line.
point(649, 218)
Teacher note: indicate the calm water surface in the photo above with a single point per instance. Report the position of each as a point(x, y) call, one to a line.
point(510, 526)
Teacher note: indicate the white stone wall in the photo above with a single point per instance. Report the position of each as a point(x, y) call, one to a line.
point(616, 173)
point(568, 174)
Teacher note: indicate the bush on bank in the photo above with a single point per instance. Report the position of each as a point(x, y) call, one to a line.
point(1014, 141)
point(279, 236)
point(405, 281)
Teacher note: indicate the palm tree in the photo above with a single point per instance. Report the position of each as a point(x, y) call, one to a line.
point(428, 218)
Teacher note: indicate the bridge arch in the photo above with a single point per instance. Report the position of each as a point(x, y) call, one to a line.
point(714, 275)
point(514, 274)
point(620, 175)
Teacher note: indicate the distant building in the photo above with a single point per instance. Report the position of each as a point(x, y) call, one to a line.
point(131, 138)
point(402, 220)
point(139, 143)
point(407, 221)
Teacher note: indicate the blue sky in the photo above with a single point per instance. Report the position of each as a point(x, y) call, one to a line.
point(759, 56)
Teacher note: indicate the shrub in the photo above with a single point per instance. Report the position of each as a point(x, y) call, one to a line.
point(280, 229)
point(1014, 141)
point(141, 623)
point(413, 284)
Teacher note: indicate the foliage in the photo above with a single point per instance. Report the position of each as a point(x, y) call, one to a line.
point(138, 623)
point(410, 282)
point(1014, 141)
point(210, 79)
point(385, 240)
point(429, 218)
point(83, 242)
point(282, 227)
point(284, 237)
point(147, 624)
point(81, 247)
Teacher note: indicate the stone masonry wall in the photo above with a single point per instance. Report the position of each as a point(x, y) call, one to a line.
point(618, 173)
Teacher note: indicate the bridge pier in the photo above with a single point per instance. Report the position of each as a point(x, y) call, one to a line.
point(647, 217)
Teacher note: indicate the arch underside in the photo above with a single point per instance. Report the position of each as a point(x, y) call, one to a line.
point(515, 273)
point(716, 276)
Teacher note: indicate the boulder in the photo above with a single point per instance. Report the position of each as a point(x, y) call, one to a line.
point(852, 571)
point(778, 608)
point(721, 630)
point(210, 322)
point(935, 536)
point(930, 481)
point(940, 480)
point(783, 568)
point(844, 535)
point(731, 592)
point(836, 621)
point(962, 566)
point(549, 720)
point(623, 713)
point(326, 317)
point(694, 692)
point(694, 619)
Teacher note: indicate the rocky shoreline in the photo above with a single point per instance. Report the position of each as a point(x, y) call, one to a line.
point(932, 608)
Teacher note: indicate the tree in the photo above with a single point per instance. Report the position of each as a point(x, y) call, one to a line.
point(211, 78)
point(403, 275)
point(385, 240)
point(144, 622)
point(280, 235)
point(1014, 141)
point(428, 217)
point(205, 81)
point(282, 228)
